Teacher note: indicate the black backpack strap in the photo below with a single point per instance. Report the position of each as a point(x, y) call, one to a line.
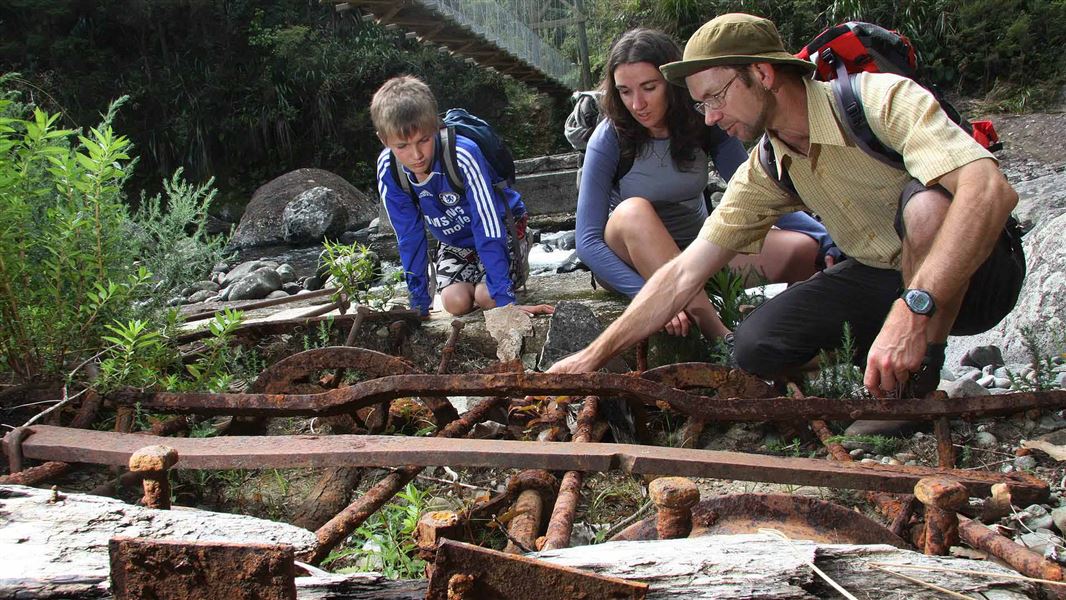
point(768, 162)
point(848, 99)
point(400, 177)
point(450, 159)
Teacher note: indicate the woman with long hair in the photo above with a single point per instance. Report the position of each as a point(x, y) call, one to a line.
point(641, 196)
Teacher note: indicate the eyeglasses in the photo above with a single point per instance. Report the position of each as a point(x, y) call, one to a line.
point(715, 101)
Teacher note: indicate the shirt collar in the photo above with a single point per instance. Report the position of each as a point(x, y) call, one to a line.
point(822, 124)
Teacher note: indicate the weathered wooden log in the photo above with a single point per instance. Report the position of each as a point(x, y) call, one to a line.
point(764, 566)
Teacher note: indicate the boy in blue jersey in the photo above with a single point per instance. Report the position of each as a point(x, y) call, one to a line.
point(476, 262)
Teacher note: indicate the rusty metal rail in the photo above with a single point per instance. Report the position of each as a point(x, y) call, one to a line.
point(368, 393)
point(110, 448)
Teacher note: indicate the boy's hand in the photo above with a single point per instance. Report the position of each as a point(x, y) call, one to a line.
point(537, 309)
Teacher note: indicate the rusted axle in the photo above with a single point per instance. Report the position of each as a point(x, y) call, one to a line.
point(368, 393)
point(561, 524)
point(298, 451)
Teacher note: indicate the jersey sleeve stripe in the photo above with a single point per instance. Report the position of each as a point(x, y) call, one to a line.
point(490, 220)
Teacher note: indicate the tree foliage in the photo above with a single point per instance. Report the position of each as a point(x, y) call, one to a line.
point(244, 91)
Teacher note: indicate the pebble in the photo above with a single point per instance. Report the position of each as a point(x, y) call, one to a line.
point(905, 456)
point(857, 453)
point(1038, 541)
point(1059, 517)
point(1024, 463)
point(869, 461)
point(1001, 382)
point(983, 439)
point(986, 381)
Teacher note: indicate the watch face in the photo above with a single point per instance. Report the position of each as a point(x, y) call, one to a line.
point(918, 301)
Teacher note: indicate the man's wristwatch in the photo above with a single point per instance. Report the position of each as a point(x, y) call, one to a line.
point(919, 301)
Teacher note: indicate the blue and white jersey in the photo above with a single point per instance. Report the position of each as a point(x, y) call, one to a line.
point(474, 219)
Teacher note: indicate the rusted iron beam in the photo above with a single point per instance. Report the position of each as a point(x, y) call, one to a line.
point(674, 497)
point(345, 522)
point(1020, 558)
point(298, 451)
point(561, 523)
point(143, 568)
point(368, 393)
point(34, 476)
point(467, 572)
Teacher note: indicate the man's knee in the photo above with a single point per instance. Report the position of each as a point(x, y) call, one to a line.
point(923, 214)
point(759, 351)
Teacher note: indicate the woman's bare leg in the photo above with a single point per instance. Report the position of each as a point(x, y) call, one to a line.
point(786, 257)
point(636, 234)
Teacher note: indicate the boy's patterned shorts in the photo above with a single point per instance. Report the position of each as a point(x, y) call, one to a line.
point(461, 265)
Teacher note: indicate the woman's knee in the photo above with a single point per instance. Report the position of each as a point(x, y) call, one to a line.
point(630, 215)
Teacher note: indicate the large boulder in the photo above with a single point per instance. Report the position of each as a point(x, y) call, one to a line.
point(256, 286)
point(312, 216)
point(261, 224)
point(1040, 199)
point(1041, 304)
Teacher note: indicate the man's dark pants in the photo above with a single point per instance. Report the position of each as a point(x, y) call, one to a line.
point(790, 329)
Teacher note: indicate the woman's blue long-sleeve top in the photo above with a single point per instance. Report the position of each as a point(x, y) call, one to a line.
point(676, 195)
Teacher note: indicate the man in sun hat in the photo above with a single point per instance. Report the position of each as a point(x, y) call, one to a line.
point(922, 242)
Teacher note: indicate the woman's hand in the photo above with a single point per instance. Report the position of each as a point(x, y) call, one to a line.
point(679, 325)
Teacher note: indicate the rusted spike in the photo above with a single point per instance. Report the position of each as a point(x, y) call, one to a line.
point(525, 525)
point(34, 476)
point(341, 526)
point(1020, 558)
point(533, 488)
point(998, 505)
point(449, 346)
point(153, 462)
point(361, 313)
point(433, 527)
point(398, 332)
point(142, 568)
point(674, 497)
point(945, 450)
point(902, 520)
point(942, 498)
point(561, 524)
point(491, 574)
point(642, 355)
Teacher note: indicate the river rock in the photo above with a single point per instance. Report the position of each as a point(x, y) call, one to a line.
point(572, 328)
point(963, 388)
point(312, 216)
point(1041, 304)
point(261, 224)
point(241, 271)
point(201, 296)
point(982, 356)
point(288, 274)
point(256, 285)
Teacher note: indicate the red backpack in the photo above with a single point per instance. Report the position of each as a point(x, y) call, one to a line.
point(854, 47)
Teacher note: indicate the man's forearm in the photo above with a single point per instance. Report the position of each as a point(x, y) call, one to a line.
point(669, 290)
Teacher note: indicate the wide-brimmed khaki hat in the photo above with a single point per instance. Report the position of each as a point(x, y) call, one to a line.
point(731, 39)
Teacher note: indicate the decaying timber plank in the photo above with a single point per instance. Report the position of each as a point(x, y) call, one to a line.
point(762, 566)
point(295, 451)
point(59, 549)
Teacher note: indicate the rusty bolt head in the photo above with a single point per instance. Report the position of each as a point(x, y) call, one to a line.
point(674, 492)
point(941, 492)
point(533, 479)
point(432, 526)
point(153, 459)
